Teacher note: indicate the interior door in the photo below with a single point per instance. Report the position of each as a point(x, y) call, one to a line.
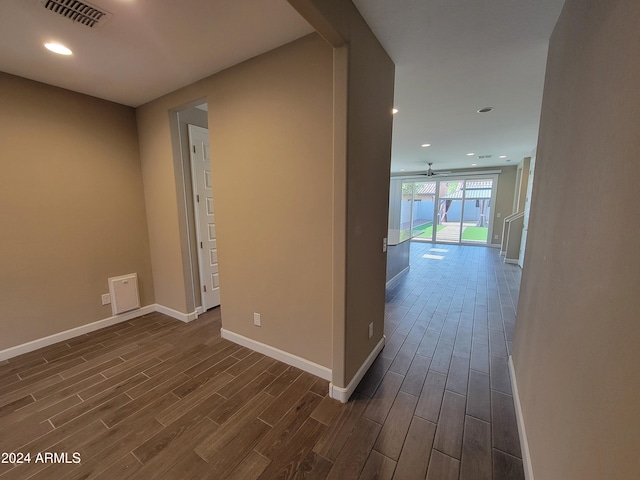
point(204, 216)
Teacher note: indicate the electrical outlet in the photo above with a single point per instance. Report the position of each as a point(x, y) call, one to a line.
point(256, 320)
point(371, 330)
point(106, 298)
point(495, 237)
point(498, 215)
point(384, 244)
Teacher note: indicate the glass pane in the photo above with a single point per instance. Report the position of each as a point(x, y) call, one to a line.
point(405, 210)
point(424, 198)
point(449, 217)
point(477, 211)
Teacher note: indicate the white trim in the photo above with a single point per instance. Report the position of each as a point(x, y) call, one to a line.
point(90, 327)
point(199, 311)
point(183, 317)
point(73, 332)
point(343, 394)
point(273, 352)
point(524, 444)
point(175, 127)
point(511, 260)
point(397, 277)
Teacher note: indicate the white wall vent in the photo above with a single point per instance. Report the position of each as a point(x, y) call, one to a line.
point(124, 293)
point(78, 12)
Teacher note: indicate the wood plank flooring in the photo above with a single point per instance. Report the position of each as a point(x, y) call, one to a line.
point(153, 398)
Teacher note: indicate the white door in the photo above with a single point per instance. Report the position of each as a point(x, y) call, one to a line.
point(204, 216)
point(527, 206)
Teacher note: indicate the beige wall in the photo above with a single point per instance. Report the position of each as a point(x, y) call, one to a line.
point(160, 175)
point(270, 126)
point(71, 208)
point(504, 201)
point(369, 81)
point(369, 128)
point(576, 351)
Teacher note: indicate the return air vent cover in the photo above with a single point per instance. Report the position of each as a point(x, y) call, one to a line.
point(124, 293)
point(485, 156)
point(78, 12)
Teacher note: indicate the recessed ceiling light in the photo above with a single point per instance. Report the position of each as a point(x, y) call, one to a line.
point(402, 169)
point(425, 145)
point(474, 164)
point(394, 111)
point(485, 110)
point(470, 154)
point(502, 156)
point(57, 48)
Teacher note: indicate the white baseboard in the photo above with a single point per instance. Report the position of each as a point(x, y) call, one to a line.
point(397, 277)
point(183, 317)
point(90, 327)
point(524, 444)
point(511, 260)
point(273, 352)
point(74, 332)
point(343, 394)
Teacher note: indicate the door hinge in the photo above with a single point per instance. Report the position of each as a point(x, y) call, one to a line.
point(205, 288)
point(194, 149)
point(200, 244)
point(197, 198)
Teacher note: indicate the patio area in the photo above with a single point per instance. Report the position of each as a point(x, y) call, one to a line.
point(449, 232)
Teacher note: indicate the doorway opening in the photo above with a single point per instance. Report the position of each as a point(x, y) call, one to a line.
point(190, 142)
point(204, 218)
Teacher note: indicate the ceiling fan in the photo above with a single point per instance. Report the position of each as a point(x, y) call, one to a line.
point(431, 173)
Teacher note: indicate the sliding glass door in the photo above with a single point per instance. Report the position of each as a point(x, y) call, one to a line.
point(477, 209)
point(417, 209)
point(455, 210)
point(406, 210)
point(424, 199)
point(450, 207)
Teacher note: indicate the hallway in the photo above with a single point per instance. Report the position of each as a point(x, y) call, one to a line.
point(442, 381)
point(157, 398)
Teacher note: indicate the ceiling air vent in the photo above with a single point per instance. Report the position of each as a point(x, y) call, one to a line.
point(78, 12)
point(484, 156)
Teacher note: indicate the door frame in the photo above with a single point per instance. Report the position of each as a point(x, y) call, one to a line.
point(463, 177)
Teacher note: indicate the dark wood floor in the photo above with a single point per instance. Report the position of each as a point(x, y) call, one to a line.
point(156, 398)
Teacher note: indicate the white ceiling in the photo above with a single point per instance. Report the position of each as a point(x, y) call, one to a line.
point(147, 48)
point(452, 57)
